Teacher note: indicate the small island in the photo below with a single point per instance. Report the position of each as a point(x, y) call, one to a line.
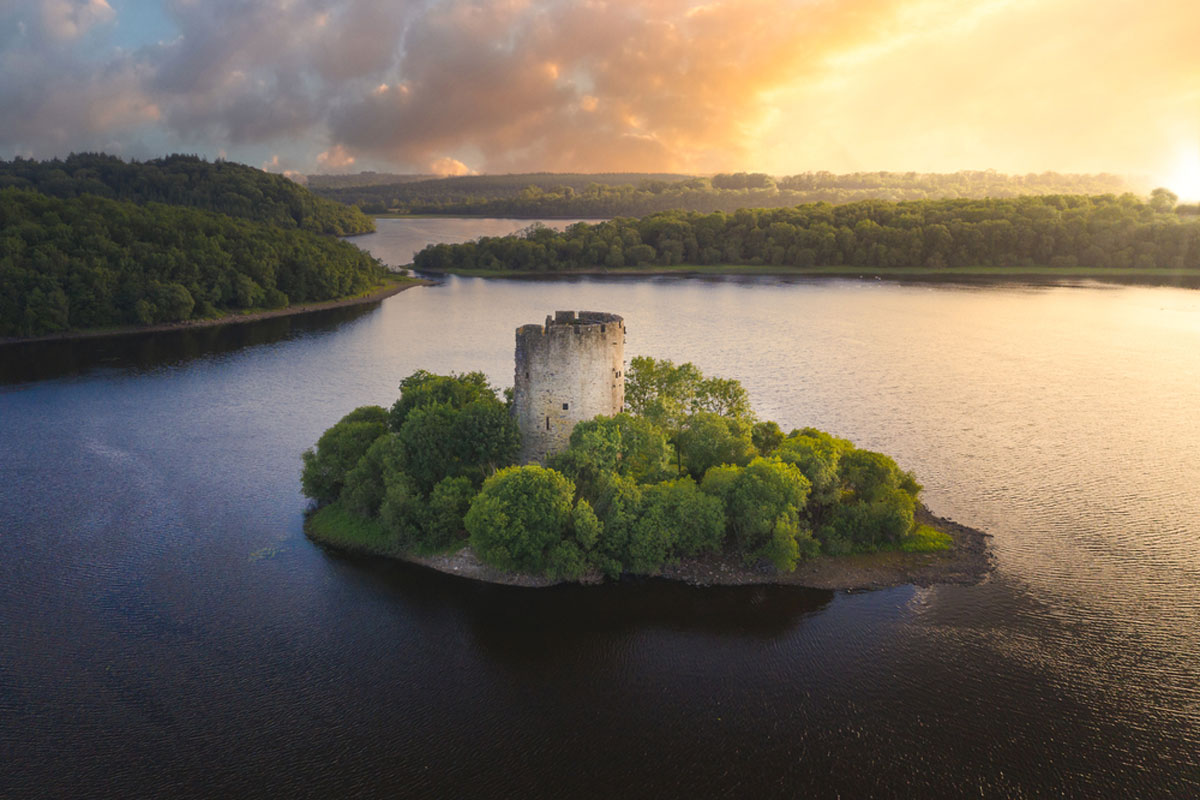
point(583, 473)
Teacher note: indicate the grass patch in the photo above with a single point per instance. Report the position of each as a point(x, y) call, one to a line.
point(926, 539)
point(335, 526)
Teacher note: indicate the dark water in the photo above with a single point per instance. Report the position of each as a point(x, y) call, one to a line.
point(166, 629)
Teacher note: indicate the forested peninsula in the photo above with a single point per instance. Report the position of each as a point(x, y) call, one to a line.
point(686, 483)
point(188, 241)
point(89, 262)
point(1035, 233)
point(636, 194)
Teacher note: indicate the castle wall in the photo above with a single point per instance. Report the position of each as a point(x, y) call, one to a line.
point(568, 370)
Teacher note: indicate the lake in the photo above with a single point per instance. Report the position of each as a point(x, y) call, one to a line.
point(166, 628)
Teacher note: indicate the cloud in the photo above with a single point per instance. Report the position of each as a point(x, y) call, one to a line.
point(70, 19)
point(336, 157)
point(602, 85)
point(593, 86)
point(449, 166)
point(73, 108)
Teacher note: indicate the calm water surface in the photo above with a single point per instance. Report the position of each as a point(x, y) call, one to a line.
point(166, 629)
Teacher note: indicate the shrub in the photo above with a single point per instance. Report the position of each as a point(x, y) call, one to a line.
point(366, 484)
point(519, 516)
point(403, 511)
point(618, 502)
point(887, 520)
point(338, 451)
point(448, 505)
point(817, 455)
point(696, 519)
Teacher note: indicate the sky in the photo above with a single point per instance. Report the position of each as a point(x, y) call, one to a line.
point(454, 86)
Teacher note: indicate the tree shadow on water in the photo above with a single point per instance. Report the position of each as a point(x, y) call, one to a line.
point(504, 618)
point(140, 352)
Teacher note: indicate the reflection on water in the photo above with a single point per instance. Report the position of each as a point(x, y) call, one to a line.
point(167, 629)
point(515, 618)
point(39, 361)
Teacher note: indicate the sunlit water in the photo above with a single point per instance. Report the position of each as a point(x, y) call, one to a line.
point(165, 627)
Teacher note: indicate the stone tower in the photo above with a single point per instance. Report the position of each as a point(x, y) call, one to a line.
point(567, 371)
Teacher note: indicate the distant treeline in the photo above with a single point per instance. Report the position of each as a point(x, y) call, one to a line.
point(550, 195)
point(88, 261)
point(471, 194)
point(1033, 231)
point(316, 182)
point(179, 180)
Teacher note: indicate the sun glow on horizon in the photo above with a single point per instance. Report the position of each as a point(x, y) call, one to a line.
point(1184, 179)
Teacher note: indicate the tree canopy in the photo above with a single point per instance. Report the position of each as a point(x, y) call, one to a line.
point(631, 493)
point(224, 187)
point(1050, 231)
point(89, 262)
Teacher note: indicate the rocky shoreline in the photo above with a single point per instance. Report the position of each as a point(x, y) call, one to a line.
point(968, 562)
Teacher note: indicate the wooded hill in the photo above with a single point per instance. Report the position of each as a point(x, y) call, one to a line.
point(1050, 231)
point(180, 180)
point(89, 261)
point(573, 195)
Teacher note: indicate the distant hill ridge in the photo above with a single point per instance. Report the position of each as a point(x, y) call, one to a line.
point(638, 194)
point(225, 187)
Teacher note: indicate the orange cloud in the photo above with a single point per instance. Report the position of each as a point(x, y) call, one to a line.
point(656, 85)
point(336, 157)
point(449, 166)
point(615, 85)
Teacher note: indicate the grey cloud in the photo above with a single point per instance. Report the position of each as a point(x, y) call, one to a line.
point(547, 84)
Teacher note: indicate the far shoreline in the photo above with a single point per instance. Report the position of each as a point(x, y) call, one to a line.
point(393, 284)
point(968, 562)
point(1181, 279)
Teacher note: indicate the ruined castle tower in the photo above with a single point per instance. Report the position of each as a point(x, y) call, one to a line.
point(567, 371)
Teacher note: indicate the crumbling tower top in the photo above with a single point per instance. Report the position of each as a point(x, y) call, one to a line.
point(568, 370)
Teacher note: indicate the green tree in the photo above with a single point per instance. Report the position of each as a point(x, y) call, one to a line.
point(866, 525)
point(338, 451)
point(438, 440)
point(365, 485)
point(618, 503)
point(448, 505)
point(624, 444)
point(757, 497)
point(404, 511)
point(817, 455)
point(709, 440)
point(766, 437)
point(519, 516)
point(677, 513)
point(424, 388)
point(1163, 200)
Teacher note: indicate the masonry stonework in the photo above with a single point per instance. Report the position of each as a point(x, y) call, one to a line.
point(568, 370)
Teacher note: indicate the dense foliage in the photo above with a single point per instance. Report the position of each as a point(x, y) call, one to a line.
point(572, 195)
point(87, 261)
point(1051, 231)
point(418, 466)
point(686, 472)
point(221, 186)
